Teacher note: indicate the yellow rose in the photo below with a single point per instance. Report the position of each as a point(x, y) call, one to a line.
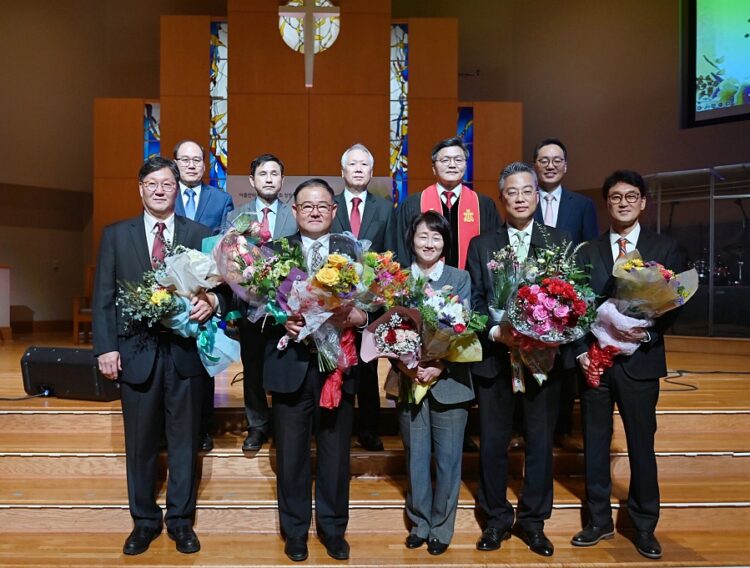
point(337, 261)
point(159, 296)
point(327, 276)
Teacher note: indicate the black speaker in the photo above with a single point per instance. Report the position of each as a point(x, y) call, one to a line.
point(66, 373)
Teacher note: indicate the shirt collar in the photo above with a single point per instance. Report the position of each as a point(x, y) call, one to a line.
point(456, 191)
point(433, 276)
point(260, 205)
point(631, 237)
point(528, 230)
point(556, 193)
point(150, 221)
point(348, 195)
point(196, 189)
point(307, 242)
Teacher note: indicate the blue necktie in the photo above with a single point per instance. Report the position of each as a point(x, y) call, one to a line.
point(190, 205)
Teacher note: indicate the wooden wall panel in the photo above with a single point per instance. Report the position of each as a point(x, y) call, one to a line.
point(490, 189)
point(430, 120)
point(338, 121)
point(269, 123)
point(184, 117)
point(184, 61)
point(433, 57)
point(114, 199)
point(498, 137)
point(118, 137)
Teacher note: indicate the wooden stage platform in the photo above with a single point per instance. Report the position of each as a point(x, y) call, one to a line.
point(63, 499)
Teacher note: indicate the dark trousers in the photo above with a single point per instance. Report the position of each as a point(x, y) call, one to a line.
point(208, 390)
point(539, 404)
point(368, 397)
point(170, 404)
point(568, 390)
point(636, 400)
point(297, 416)
point(252, 353)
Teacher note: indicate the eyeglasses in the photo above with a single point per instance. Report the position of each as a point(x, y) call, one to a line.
point(307, 208)
point(458, 160)
point(616, 198)
point(526, 193)
point(152, 186)
point(185, 161)
point(557, 162)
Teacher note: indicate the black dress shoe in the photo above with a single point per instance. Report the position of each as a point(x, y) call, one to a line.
point(470, 446)
point(186, 539)
point(647, 545)
point(296, 549)
point(206, 443)
point(537, 541)
point(435, 547)
point(591, 534)
point(139, 540)
point(336, 547)
point(414, 541)
point(371, 442)
point(255, 439)
point(492, 538)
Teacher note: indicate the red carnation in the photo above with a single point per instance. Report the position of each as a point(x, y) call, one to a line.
point(390, 337)
point(459, 328)
point(579, 307)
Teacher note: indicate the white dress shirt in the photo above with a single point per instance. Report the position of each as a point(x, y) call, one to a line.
point(631, 237)
point(432, 276)
point(556, 196)
point(512, 232)
point(456, 193)
point(348, 196)
point(150, 222)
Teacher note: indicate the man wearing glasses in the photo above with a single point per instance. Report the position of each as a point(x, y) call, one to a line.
point(468, 212)
point(295, 381)
point(632, 382)
point(208, 206)
point(161, 375)
point(574, 213)
point(199, 202)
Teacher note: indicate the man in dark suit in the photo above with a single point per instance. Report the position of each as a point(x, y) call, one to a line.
point(266, 178)
point(468, 212)
point(493, 384)
point(208, 206)
point(574, 213)
point(632, 382)
point(160, 373)
point(295, 383)
point(368, 217)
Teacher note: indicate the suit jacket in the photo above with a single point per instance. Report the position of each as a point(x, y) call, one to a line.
point(377, 221)
point(284, 371)
point(495, 355)
point(576, 216)
point(454, 386)
point(124, 256)
point(285, 224)
point(649, 361)
point(213, 206)
point(489, 221)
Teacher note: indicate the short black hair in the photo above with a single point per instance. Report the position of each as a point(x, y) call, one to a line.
point(314, 182)
point(156, 163)
point(185, 141)
point(547, 142)
point(448, 143)
point(435, 222)
point(625, 176)
point(262, 159)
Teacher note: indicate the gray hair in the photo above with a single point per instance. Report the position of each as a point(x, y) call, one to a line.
point(358, 146)
point(517, 168)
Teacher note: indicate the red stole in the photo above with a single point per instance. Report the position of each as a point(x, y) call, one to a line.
point(468, 215)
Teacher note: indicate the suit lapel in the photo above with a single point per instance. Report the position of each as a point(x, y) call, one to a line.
point(564, 211)
point(645, 245)
point(285, 221)
point(342, 214)
point(604, 246)
point(179, 206)
point(140, 244)
point(367, 217)
point(203, 201)
point(180, 231)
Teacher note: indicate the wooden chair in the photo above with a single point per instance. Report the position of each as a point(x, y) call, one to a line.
point(82, 307)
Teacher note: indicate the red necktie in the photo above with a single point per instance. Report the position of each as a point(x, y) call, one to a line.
point(356, 219)
point(159, 247)
point(448, 199)
point(623, 251)
point(264, 221)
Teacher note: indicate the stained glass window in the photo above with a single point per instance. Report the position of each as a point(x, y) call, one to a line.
point(465, 131)
point(218, 91)
point(399, 111)
point(326, 28)
point(151, 135)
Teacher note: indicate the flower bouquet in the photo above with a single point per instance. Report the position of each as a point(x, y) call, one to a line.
point(146, 303)
point(554, 305)
point(645, 290)
point(387, 283)
point(431, 325)
point(505, 270)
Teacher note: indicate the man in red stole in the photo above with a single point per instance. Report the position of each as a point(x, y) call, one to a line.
point(468, 212)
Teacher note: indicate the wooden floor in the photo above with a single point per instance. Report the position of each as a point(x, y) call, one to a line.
point(63, 497)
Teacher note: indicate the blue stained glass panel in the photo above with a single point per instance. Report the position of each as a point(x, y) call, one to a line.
point(465, 131)
point(151, 134)
point(218, 135)
point(399, 79)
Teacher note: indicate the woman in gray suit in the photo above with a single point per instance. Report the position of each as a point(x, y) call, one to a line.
point(439, 420)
